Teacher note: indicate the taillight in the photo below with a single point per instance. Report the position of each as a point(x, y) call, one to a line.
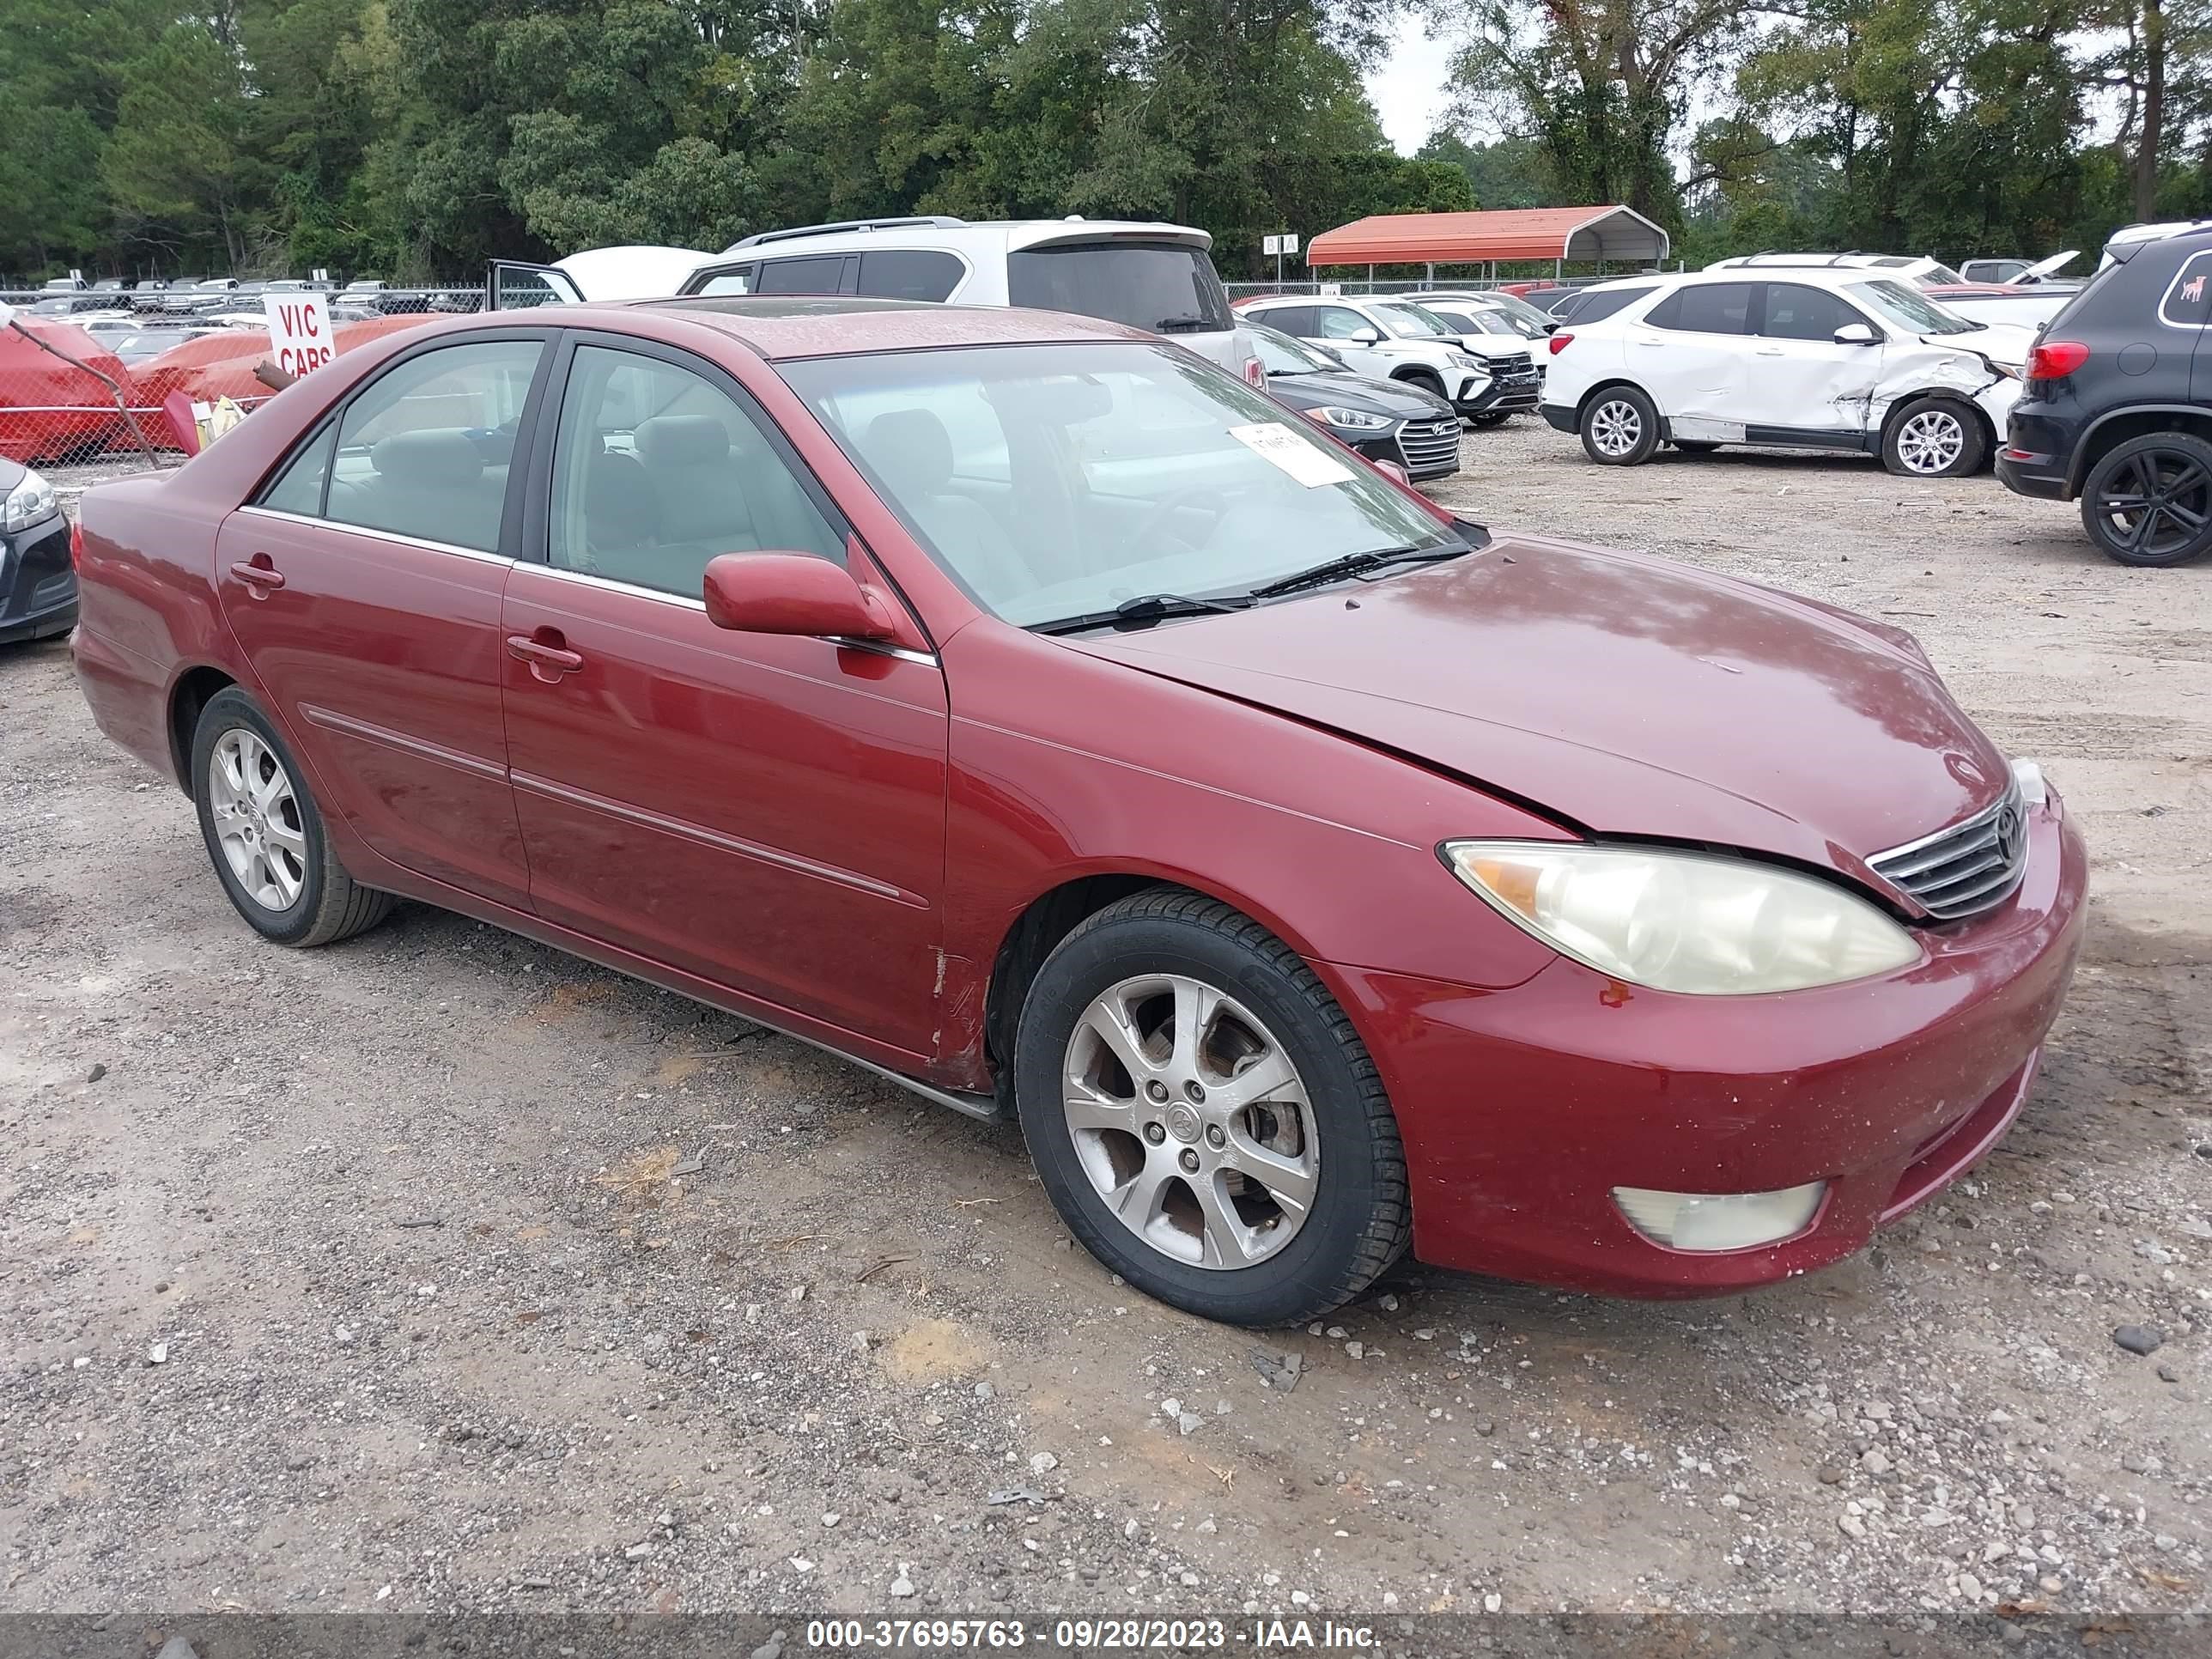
point(1559, 342)
point(76, 545)
point(1255, 372)
point(2054, 360)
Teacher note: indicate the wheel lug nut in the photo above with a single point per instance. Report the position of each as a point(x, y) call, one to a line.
point(1157, 1089)
point(1194, 1091)
point(1189, 1160)
point(1214, 1138)
point(1154, 1134)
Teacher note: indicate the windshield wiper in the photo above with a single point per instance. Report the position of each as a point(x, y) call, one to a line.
point(1142, 613)
point(1166, 323)
point(1357, 564)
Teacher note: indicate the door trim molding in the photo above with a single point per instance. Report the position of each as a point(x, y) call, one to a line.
point(330, 720)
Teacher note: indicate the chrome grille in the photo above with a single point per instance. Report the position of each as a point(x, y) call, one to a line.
point(1967, 868)
point(1512, 366)
point(1430, 446)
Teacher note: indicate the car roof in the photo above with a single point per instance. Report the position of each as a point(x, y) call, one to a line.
point(1006, 235)
point(780, 326)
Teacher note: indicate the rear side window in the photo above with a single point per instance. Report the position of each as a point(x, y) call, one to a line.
point(1595, 308)
point(909, 274)
point(1163, 287)
point(299, 487)
point(2188, 299)
point(1291, 319)
point(424, 450)
point(819, 275)
point(1705, 309)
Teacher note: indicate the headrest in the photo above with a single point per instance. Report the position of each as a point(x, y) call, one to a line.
point(439, 457)
point(912, 450)
point(681, 441)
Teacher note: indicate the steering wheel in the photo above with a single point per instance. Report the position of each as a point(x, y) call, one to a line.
point(1197, 495)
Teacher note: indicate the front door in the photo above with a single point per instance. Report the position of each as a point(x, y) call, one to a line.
point(766, 812)
point(363, 586)
point(1803, 387)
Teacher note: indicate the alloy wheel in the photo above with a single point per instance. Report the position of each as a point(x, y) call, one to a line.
point(1615, 427)
point(2157, 503)
point(1190, 1122)
point(1931, 443)
point(257, 819)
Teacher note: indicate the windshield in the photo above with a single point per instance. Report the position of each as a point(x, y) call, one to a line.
point(1057, 480)
point(1939, 276)
point(1910, 309)
point(1161, 286)
point(1280, 354)
point(1479, 320)
point(1403, 318)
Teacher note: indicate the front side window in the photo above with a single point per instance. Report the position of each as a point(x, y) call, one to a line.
point(1909, 308)
point(1341, 323)
point(424, 450)
point(1595, 305)
point(657, 470)
point(1704, 308)
point(1165, 287)
point(299, 487)
point(1059, 480)
point(1797, 312)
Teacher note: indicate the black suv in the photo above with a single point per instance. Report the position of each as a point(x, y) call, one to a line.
point(2118, 407)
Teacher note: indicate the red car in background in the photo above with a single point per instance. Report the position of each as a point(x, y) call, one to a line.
point(222, 365)
point(52, 411)
point(1034, 712)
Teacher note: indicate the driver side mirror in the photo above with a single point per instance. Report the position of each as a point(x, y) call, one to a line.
point(790, 593)
point(1855, 334)
point(1365, 336)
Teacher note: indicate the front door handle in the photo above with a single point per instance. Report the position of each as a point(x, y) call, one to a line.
point(547, 653)
point(261, 577)
point(1770, 351)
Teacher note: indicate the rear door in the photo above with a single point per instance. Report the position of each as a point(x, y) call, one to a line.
point(766, 812)
point(2186, 306)
point(1692, 353)
point(1802, 386)
point(364, 585)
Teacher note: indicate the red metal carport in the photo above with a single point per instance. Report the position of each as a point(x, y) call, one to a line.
point(1616, 235)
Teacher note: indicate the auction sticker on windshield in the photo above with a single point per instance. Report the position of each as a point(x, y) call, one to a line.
point(1273, 441)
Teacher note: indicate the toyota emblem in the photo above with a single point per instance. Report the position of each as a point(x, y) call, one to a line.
point(2008, 834)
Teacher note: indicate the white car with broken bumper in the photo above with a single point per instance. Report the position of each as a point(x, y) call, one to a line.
point(1812, 358)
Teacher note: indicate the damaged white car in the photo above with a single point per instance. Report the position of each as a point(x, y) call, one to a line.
point(1843, 359)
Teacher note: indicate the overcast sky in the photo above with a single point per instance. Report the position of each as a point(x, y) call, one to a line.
point(1408, 89)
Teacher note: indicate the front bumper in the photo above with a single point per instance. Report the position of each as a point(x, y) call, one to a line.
point(1480, 394)
point(1521, 1109)
point(38, 589)
point(1426, 449)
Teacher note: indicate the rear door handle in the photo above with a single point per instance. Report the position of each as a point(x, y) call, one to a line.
point(260, 577)
point(548, 660)
point(1770, 351)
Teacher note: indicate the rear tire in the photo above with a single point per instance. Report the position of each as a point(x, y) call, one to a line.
point(265, 834)
point(1934, 438)
point(1621, 427)
point(1248, 1170)
point(2129, 500)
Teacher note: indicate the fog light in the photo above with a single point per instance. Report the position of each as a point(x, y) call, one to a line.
point(1719, 1221)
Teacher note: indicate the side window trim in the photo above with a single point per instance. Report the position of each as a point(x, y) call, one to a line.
point(535, 538)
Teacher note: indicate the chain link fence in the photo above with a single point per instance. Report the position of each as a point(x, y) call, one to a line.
point(87, 377)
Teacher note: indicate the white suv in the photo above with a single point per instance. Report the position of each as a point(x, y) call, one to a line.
point(1928, 273)
point(1153, 277)
point(1487, 377)
point(1804, 357)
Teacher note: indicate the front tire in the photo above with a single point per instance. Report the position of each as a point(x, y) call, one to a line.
point(2148, 502)
point(1203, 1116)
point(1620, 428)
point(1934, 438)
point(264, 833)
point(1494, 418)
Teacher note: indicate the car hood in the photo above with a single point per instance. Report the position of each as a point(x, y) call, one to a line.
point(1493, 345)
point(1624, 695)
point(2001, 342)
point(1370, 397)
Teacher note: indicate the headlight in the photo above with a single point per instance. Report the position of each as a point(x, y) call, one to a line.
point(1679, 921)
point(1467, 360)
point(27, 503)
point(1353, 419)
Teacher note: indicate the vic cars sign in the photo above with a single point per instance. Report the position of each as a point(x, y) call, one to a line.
point(300, 328)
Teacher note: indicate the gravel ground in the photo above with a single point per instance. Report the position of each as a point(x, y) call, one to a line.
point(438, 1270)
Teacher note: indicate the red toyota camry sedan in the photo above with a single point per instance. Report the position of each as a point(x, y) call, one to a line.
point(1034, 713)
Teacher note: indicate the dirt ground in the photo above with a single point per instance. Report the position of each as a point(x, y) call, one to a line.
point(438, 1270)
